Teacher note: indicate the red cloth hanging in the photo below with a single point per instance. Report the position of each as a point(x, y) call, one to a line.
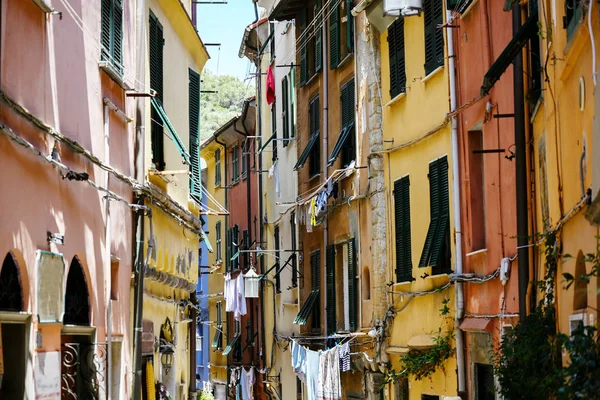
point(270, 86)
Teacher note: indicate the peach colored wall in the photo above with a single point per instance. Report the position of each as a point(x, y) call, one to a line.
point(50, 67)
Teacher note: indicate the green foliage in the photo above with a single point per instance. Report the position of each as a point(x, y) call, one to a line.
point(218, 108)
point(205, 395)
point(421, 364)
point(582, 375)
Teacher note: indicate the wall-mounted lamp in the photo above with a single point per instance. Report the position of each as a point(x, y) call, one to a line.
point(166, 357)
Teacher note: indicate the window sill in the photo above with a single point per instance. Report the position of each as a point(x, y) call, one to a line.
point(312, 79)
point(45, 7)
point(396, 99)
point(432, 74)
point(113, 74)
point(289, 304)
point(313, 177)
point(469, 8)
point(345, 61)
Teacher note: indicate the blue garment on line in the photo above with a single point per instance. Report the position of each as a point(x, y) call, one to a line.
point(312, 374)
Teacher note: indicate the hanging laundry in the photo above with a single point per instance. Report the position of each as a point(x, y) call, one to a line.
point(329, 187)
point(344, 353)
point(313, 212)
point(229, 294)
point(299, 361)
point(271, 171)
point(270, 85)
point(312, 374)
point(240, 308)
point(321, 203)
point(335, 190)
point(329, 386)
point(277, 186)
point(247, 383)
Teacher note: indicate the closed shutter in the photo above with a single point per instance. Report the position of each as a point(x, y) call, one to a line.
point(112, 33)
point(194, 137)
point(107, 27)
point(217, 167)
point(443, 211)
point(278, 260)
point(318, 27)
point(434, 36)
point(349, 149)
point(292, 101)
point(334, 36)
point(246, 244)
point(315, 267)
point(349, 26)
point(303, 49)
point(396, 54)
point(352, 286)
point(235, 246)
point(229, 252)
point(294, 257)
point(402, 224)
point(330, 275)
point(285, 110)
point(156, 43)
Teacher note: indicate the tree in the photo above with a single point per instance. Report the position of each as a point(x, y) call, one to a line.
point(218, 108)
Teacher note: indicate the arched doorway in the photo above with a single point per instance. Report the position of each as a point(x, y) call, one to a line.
point(77, 300)
point(11, 293)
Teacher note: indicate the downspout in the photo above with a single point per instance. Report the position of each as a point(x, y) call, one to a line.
point(107, 256)
point(521, 172)
point(138, 298)
point(193, 332)
point(324, 163)
point(458, 266)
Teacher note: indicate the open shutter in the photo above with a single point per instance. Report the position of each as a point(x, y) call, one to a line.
point(285, 110)
point(352, 287)
point(334, 36)
point(156, 83)
point(330, 275)
point(303, 49)
point(349, 26)
point(443, 211)
point(438, 10)
point(434, 211)
point(107, 28)
point(402, 223)
point(315, 267)
point(117, 50)
point(392, 50)
point(318, 27)
point(429, 36)
point(194, 137)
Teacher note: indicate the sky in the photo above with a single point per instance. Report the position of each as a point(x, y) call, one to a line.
point(225, 24)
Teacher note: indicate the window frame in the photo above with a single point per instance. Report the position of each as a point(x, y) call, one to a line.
point(218, 242)
point(433, 11)
point(285, 134)
point(397, 57)
point(235, 164)
point(348, 118)
point(403, 247)
point(156, 56)
point(314, 166)
point(218, 167)
point(315, 277)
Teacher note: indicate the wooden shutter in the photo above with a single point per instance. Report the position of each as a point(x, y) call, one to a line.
point(318, 27)
point(117, 49)
point(315, 266)
point(303, 48)
point(349, 26)
point(217, 167)
point(277, 260)
point(434, 37)
point(194, 137)
point(349, 149)
point(334, 36)
point(235, 246)
point(228, 254)
point(106, 27)
point(294, 257)
point(402, 225)
point(292, 108)
point(285, 110)
point(330, 275)
point(352, 286)
point(434, 209)
point(156, 43)
point(396, 54)
point(443, 211)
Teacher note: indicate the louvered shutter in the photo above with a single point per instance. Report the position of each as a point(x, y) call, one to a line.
point(334, 36)
point(156, 42)
point(392, 50)
point(229, 249)
point(303, 49)
point(400, 56)
point(402, 224)
point(330, 275)
point(285, 110)
point(315, 266)
point(194, 137)
point(438, 9)
point(434, 212)
point(434, 37)
point(217, 167)
point(352, 287)
point(318, 27)
point(349, 26)
point(117, 51)
point(443, 211)
point(107, 27)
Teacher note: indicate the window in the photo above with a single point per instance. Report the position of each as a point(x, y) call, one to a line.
point(401, 389)
point(433, 11)
point(341, 282)
point(402, 225)
point(194, 136)
point(366, 283)
point(274, 129)
point(218, 338)
point(397, 59)
point(477, 190)
point(245, 150)
point(156, 43)
point(235, 161)
point(277, 260)
point(235, 247)
point(218, 167)
point(298, 388)
point(349, 147)
point(114, 280)
point(537, 74)
point(341, 32)
point(429, 397)
point(484, 382)
point(436, 251)
point(573, 16)
point(250, 332)
point(311, 50)
point(218, 240)
point(285, 112)
point(272, 44)
point(314, 126)
point(112, 34)
point(237, 346)
point(292, 109)
point(294, 256)
point(246, 246)
point(315, 278)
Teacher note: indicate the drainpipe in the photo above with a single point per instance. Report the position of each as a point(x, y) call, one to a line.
point(324, 163)
point(138, 298)
point(458, 266)
point(521, 172)
point(107, 256)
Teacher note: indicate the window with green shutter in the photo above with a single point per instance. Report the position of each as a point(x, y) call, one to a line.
point(292, 107)
point(436, 251)
point(235, 164)
point(228, 250)
point(318, 27)
point(156, 43)
point(218, 337)
point(573, 17)
point(303, 47)
point(235, 247)
point(349, 144)
point(245, 150)
point(274, 130)
point(341, 32)
point(218, 242)
point(314, 127)
point(352, 324)
point(315, 270)
point(277, 259)
point(334, 36)
point(194, 137)
point(397, 58)
point(285, 112)
point(246, 246)
point(331, 288)
point(112, 34)
point(294, 257)
point(433, 11)
point(218, 167)
point(402, 227)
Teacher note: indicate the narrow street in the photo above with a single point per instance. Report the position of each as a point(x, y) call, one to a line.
point(299, 199)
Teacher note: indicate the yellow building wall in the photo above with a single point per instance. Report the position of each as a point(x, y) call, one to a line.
point(416, 123)
point(218, 362)
point(564, 125)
